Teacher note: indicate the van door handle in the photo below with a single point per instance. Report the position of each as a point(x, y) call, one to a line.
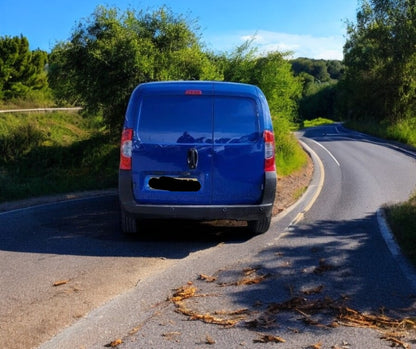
point(192, 158)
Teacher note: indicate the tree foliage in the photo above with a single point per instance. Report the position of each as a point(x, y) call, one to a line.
point(272, 73)
point(110, 53)
point(321, 70)
point(380, 59)
point(320, 86)
point(21, 70)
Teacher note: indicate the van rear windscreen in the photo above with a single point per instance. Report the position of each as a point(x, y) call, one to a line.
point(194, 119)
point(176, 119)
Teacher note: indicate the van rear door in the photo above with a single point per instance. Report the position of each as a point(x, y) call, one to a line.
point(172, 155)
point(238, 167)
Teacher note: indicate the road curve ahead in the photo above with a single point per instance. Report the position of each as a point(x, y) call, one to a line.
point(362, 175)
point(291, 285)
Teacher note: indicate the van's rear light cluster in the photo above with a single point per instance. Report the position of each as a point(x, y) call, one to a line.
point(126, 149)
point(193, 92)
point(269, 152)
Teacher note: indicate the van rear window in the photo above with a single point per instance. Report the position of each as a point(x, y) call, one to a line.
point(235, 120)
point(194, 119)
point(176, 119)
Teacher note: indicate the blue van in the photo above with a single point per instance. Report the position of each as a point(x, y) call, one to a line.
point(199, 150)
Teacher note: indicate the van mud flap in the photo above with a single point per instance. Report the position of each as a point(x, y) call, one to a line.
point(174, 184)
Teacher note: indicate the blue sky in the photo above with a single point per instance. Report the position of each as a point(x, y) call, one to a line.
point(308, 28)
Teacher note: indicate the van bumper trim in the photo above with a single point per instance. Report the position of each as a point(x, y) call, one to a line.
point(195, 212)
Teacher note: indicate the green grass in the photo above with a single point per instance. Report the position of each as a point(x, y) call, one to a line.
point(401, 218)
point(34, 99)
point(290, 156)
point(50, 153)
point(317, 122)
point(403, 131)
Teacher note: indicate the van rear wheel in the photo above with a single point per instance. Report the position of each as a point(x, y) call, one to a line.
point(260, 226)
point(128, 223)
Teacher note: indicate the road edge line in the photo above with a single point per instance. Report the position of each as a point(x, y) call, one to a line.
point(388, 237)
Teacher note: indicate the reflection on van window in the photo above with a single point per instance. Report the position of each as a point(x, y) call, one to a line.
point(176, 119)
point(235, 120)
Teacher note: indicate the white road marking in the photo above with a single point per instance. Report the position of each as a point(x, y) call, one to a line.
point(330, 154)
point(319, 187)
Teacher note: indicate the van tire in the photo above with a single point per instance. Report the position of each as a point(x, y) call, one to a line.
point(128, 223)
point(260, 226)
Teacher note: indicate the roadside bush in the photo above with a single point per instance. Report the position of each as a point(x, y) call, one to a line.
point(289, 154)
point(19, 142)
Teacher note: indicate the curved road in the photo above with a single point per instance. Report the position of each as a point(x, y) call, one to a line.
point(326, 248)
point(361, 175)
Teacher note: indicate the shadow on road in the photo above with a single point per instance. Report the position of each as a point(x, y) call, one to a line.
point(91, 228)
point(296, 289)
point(346, 261)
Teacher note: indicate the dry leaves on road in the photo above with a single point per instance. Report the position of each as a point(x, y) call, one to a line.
point(393, 330)
point(183, 292)
point(250, 276)
point(114, 343)
point(207, 278)
point(226, 318)
point(60, 283)
point(309, 303)
point(209, 340)
point(269, 338)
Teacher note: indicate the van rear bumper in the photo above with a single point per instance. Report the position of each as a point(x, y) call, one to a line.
point(196, 212)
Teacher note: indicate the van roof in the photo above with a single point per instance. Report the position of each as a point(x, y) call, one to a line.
point(199, 87)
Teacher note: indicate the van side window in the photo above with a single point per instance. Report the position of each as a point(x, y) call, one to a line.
point(235, 120)
point(175, 119)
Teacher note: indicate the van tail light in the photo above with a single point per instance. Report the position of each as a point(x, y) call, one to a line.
point(193, 92)
point(269, 152)
point(126, 149)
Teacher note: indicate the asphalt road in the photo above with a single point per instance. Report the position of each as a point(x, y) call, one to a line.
point(325, 254)
point(79, 243)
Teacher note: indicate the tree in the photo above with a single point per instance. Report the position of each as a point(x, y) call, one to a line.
point(380, 60)
point(272, 73)
point(320, 86)
point(110, 53)
point(318, 68)
point(21, 70)
point(239, 64)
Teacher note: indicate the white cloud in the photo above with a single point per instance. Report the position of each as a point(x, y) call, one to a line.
point(330, 47)
point(300, 45)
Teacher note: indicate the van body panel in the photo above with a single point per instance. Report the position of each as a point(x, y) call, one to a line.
point(238, 165)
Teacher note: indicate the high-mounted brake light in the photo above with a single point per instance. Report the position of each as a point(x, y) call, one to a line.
point(193, 92)
point(269, 151)
point(126, 149)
